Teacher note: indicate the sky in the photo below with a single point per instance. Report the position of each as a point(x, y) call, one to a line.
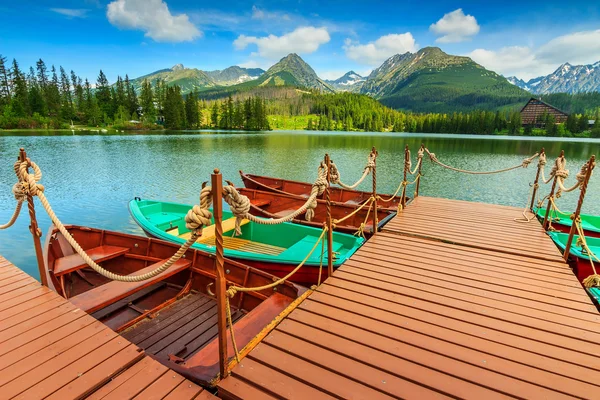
point(137, 37)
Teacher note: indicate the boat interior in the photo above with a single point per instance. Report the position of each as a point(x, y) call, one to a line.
point(276, 205)
point(172, 316)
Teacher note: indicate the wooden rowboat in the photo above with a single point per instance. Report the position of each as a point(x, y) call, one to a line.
point(276, 249)
point(276, 205)
point(579, 258)
point(562, 222)
point(173, 316)
point(337, 195)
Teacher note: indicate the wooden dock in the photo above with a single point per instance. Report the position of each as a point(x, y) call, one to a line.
point(452, 300)
point(53, 350)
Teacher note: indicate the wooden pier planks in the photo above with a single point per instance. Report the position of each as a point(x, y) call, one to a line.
point(415, 317)
point(51, 349)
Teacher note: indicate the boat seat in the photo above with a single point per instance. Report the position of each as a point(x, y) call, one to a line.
point(231, 243)
point(104, 295)
point(260, 202)
point(74, 262)
point(209, 231)
point(303, 246)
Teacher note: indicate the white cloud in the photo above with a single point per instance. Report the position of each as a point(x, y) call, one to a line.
point(154, 18)
point(455, 27)
point(303, 40)
point(527, 62)
point(71, 12)
point(374, 53)
point(576, 48)
point(262, 14)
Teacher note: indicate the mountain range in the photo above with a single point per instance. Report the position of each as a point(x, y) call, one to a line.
point(566, 79)
point(428, 80)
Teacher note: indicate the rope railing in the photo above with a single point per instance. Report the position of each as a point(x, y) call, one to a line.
point(196, 218)
point(524, 164)
point(20, 197)
point(335, 174)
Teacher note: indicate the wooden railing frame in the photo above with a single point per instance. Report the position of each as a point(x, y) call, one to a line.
point(575, 216)
point(536, 182)
point(546, 223)
point(329, 222)
point(374, 172)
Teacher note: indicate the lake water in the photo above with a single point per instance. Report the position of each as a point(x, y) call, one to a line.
point(89, 179)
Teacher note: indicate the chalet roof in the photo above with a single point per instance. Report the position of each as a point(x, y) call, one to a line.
point(538, 100)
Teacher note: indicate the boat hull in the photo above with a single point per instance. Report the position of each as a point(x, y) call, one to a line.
point(337, 195)
point(562, 222)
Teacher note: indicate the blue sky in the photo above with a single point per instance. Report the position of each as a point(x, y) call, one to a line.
point(136, 37)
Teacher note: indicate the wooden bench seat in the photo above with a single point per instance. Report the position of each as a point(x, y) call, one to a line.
point(74, 262)
point(102, 296)
point(209, 231)
point(260, 202)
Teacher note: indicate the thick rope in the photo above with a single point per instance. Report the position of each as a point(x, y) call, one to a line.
point(195, 219)
point(335, 174)
point(408, 163)
point(240, 204)
point(523, 164)
point(20, 196)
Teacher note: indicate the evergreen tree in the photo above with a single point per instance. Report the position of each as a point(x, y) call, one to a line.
point(131, 100)
point(67, 110)
point(19, 100)
point(103, 96)
point(147, 102)
point(191, 110)
point(92, 110)
point(36, 99)
point(214, 115)
point(4, 86)
point(174, 108)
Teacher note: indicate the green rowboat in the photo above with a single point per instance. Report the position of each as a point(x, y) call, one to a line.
point(580, 259)
point(274, 248)
point(562, 221)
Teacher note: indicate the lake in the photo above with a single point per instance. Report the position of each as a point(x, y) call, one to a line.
point(89, 179)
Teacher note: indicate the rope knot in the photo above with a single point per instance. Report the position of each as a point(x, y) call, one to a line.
point(562, 173)
point(239, 205)
point(196, 218)
point(19, 191)
point(432, 157)
point(231, 291)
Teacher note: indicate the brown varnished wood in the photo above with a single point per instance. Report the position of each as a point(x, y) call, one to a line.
point(74, 262)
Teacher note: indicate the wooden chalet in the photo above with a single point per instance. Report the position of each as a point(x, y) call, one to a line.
point(533, 111)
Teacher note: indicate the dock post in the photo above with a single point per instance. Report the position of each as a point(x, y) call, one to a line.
point(584, 184)
point(419, 173)
point(221, 280)
point(36, 232)
point(546, 223)
point(536, 182)
point(329, 219)
point(406, 160)
point(375, 221)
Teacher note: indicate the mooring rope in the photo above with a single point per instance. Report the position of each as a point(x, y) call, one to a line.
point(523, 164)
point(594, 279)
point(196, 218)
point(335, 173)
point(20, 197)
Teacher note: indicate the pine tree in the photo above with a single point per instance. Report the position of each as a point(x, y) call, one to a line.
point(67, 110)
point(147, 103)
point(103, 96)
point(19, 101)
point(174, 108)
point(4, 86)
point(191, 110)
point(92, 110)
point(214, 115)
point(36, 99)
point(131, 100)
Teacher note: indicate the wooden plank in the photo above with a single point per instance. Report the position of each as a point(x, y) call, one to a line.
point(138, 382)
point(188, 390)
point(232, 388)
point(87, 382)
point(101, 296)
point(161, 387)
point(122, 378)
point(74, 262)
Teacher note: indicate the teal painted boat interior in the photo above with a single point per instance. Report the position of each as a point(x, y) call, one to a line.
point(156, 217)
point(560, 239)
point(588, 222)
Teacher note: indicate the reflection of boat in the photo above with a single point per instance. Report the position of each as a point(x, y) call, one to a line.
point(337, 195)
point(277, 249)
point(172, 316)
point(579, 257)
point(562, 222)
point(277, 205)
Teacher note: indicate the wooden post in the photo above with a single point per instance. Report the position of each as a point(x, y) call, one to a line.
point(34, 228)
point(535, 183)
point(546, 222)
point(221, 281)
point(375, 221)
point(419, 174)
point(403, 200)
point(584, 185)
point(329, 219)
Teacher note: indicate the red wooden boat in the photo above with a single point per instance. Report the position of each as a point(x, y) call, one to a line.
point(337, 195)
point(172, 316)
point(277, 205)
